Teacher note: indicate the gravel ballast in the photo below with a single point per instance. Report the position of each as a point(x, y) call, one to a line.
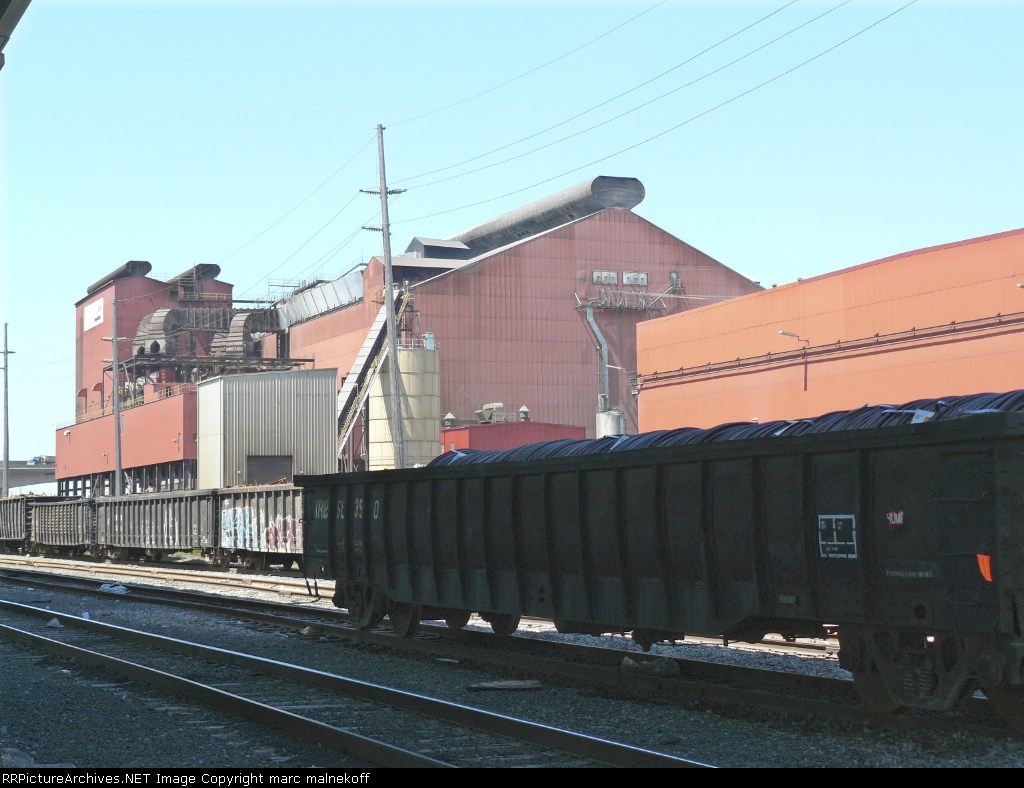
point(59, 713)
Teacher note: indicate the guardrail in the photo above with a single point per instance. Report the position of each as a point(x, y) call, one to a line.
point(128, 402)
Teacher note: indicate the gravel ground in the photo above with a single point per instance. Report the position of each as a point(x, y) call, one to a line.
point(55, 713)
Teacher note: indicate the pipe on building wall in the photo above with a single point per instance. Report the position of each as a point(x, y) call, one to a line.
point(602, 372)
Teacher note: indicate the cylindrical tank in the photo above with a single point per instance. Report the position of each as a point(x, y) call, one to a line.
point(421, 410)
point(611, 422)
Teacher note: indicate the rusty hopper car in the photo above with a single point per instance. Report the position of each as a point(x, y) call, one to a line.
point(906, 541)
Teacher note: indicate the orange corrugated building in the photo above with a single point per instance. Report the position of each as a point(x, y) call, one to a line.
point(934, 322)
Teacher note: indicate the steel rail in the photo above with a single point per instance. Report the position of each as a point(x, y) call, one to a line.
point(579, 745)
point(706, 682)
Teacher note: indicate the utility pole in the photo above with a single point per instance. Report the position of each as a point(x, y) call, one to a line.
point(116, 366)
point(7, 435)
point(397, 426)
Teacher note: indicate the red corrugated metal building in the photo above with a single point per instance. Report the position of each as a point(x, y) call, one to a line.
point(941, 321)
point(535, 305)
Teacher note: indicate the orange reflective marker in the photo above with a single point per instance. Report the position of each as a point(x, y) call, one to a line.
point(985, 566)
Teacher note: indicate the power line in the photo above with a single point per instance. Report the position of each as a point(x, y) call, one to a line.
point(348, 240)
point(295, 207)
point(409, 120)
point(531, 71)
point(672, 128)
point(603, 103)
point(314, 235)
point(639, 106)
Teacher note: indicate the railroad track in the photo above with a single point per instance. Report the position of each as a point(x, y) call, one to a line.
point(230, 578)
point(301, 588)
point(331, 710)
point(615, 672)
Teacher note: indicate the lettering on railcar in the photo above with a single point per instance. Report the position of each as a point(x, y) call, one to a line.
point(837, 536)
point(912, 571)
point(895, 519)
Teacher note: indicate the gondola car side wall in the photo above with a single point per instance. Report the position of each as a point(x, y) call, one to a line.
point(734, 538)
point(16, 518)
point(164, 522)
point(263, 519)
point(64, 525)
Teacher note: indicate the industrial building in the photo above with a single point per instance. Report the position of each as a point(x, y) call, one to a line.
point(941, 321)
point(171, 335)
point(573, 311)
point(537, 308)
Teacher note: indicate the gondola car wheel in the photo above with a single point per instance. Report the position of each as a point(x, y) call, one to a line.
point(502, 623)
point(1009, 702)
point(364, 606)
point(872, 691)
point(457, 619)
point(405, 619)
point(256, 561)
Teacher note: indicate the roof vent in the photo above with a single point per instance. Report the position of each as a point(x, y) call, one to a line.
point(492, 413)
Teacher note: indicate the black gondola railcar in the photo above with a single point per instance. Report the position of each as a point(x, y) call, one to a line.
point(907, 541)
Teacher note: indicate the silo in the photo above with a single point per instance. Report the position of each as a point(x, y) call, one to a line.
point(421, 409)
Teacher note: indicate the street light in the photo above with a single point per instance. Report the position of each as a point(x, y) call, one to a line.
point(803, 350)
point(796, 336)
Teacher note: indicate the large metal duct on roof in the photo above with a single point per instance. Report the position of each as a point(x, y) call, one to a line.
point(237, 340)
point(131, 268)
point(201, 271)
point(157, 334)
point(573, 203)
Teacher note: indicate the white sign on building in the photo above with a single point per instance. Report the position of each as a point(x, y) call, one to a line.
point(92, 315)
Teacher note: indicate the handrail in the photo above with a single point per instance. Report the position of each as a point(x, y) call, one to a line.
point(128, 402)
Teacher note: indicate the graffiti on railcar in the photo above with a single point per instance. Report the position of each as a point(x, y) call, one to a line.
point(247, 527)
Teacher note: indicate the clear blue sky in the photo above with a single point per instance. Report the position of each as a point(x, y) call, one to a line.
point(240, 133)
